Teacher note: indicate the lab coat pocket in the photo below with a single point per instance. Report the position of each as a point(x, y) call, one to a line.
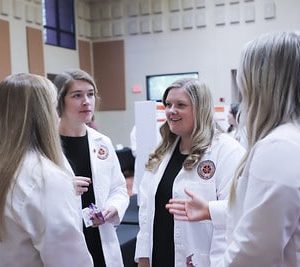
point(198, 237)
point(198, 259)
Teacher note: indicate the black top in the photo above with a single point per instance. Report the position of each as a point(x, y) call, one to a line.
point(163, 229)
point(76, 150)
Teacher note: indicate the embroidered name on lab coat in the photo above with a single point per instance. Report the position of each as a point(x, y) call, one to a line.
point(206, 169)
point(102, 152)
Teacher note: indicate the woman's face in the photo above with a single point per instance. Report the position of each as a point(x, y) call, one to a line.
point(179, 112)
point(79, 102)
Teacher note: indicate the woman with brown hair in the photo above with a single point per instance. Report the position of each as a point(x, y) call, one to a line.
point(93, 158)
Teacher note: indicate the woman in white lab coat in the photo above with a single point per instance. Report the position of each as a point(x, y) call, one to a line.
point(192, 154)
point(264, 221)
point(39, 221)
point(93, 158)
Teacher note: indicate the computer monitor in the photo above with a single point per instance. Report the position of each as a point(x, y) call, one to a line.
point(157, 84)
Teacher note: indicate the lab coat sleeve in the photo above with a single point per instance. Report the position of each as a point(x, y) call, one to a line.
point(271, 208)
point(50, 217)
point(218, 213)
point(143, 243)
point(230, 156)
point(118, 195)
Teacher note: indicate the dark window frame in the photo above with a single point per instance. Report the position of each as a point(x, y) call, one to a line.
point(58, 30)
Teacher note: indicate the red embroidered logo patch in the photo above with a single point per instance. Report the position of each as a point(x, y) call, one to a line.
point(206, 169)
point(102, 152)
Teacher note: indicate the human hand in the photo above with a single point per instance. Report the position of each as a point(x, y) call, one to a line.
point(81, 184)
point(97, 219)
point(144, 262)
point(109, 213)
point(192, 209)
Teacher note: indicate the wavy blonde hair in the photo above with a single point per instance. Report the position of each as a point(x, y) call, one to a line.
point(28, 121)
point(203, 131)
point(269, 80)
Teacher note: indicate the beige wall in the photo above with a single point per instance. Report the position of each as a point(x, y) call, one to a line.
point(212, 50)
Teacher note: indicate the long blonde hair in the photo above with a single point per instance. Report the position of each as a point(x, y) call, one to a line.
point(28, 121)
point(269, 80)
point(203, 131)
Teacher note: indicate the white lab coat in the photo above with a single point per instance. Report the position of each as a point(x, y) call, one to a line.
point(41, 219)
point(110, 190)
point(266, 212)
point(206, 239)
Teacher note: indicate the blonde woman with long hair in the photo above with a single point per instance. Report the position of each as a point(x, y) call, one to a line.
point(264, 221)
point(192, 154)
point(39, 222)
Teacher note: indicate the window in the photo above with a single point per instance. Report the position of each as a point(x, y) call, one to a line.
point(59, 25)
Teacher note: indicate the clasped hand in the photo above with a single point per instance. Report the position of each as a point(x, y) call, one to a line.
point(81, 185)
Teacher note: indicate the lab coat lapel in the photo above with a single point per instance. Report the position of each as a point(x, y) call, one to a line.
point(96, 167)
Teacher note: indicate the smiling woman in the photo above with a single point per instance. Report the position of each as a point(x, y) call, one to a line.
point(178, 112)
point(192, 154)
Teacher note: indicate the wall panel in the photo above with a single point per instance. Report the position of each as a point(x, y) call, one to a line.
point(5, 59)
point(35, 51)
point(109, 74)
point(84, 49)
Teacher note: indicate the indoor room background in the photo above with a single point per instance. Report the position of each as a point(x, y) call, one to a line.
point(120, 42)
